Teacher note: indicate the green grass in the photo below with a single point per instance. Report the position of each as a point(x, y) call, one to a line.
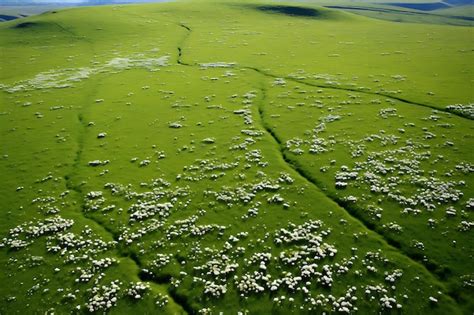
point(465, 10)
point(69, 76)
point(459, 15)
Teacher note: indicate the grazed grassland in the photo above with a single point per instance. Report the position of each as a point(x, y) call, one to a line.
point(235, 156)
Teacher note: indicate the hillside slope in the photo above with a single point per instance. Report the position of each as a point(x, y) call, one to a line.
point(234, 156)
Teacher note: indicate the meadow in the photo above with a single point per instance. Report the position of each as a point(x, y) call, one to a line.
point(199, 157)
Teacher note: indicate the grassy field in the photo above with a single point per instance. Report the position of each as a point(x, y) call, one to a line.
point(418, 11)
point(235, 156)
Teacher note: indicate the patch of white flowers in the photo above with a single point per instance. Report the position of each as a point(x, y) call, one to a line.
point(67, 77)
point(137, 290)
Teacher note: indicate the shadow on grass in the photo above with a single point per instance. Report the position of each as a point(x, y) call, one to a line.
point(25, 25)
point(181, 300)
point(289, 10)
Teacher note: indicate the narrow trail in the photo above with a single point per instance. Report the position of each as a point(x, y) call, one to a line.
point(310, 179)
point(329, 87)
point(121, 251)
point(179, 58)
point(179, 61)
point(348, 89)
point(72, 33)
point(74, 170)
point(341, 204)
point(78, 155)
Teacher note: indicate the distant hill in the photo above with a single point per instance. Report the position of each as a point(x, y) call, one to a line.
point(459, 2)
point(69, 2)
point(431, 6)
point(14, 9)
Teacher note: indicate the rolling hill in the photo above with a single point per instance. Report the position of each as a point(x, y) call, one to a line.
point(235, 156)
